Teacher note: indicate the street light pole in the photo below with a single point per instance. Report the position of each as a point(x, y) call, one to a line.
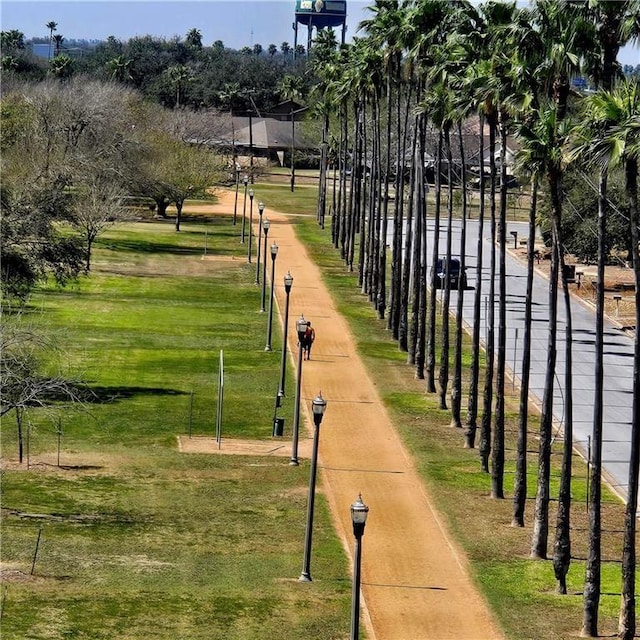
point(250, 223)
point(288, 281)
point(359, 512)
point(274, 253)
point(260, 212)
point(319, 406)
point(235, 206)
point(265, 227)
point(301, 328)
point(245, 180)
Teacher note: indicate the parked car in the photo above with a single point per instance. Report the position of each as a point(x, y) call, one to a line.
point(455, 277)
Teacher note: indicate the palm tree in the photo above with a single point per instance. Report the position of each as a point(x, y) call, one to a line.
point(52, 26)
point(179, 76)
point(610, 137)
point(194, 39)
point(58, 39)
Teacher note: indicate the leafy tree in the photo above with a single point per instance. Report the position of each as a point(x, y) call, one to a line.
point(97, 205)
point(12, 40)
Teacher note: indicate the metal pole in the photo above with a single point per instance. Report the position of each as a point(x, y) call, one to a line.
point(235, 206)
point(283, 363)
point(305, 576)
point(264, 269)
point(355, 595)
point(250, 224)
point(515, 350)
point(296, 410)
point(273, 273)
point(260, 211)
point(244, 208)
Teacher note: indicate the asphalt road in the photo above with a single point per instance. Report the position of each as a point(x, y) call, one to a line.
point(618, 348)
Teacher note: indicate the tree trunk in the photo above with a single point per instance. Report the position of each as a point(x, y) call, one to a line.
point(520, 478)
point(497, 450)
point(179, 204)
point(485, 425)
point(541, 516)
point(472, 403)
point(431, 309)
point(562, 545)
point(592, 585)
point(443, 375)
point(627, 619)
point(456, 384)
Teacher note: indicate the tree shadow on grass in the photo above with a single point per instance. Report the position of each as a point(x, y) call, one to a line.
point(104, 395)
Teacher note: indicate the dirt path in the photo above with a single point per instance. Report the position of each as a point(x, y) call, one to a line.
point(415, 583)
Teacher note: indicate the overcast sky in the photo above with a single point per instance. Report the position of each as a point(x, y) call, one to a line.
point(236, 22)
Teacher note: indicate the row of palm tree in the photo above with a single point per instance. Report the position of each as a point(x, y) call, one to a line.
point(399, 100)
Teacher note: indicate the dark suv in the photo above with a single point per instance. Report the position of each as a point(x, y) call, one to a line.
point(455, 278)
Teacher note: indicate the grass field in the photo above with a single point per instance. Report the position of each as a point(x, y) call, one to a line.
point(138, 540)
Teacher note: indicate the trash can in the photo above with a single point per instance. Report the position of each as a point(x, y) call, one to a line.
point(570, 272)
point(278, 426)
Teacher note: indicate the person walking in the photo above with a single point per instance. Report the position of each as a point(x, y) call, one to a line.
point(309, 337)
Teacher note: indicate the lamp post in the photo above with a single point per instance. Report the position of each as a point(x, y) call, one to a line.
point(260, 212)
point(301, 327)
point(265, 227)
point(319, 406)
point(359, 512)
point(250, 223)
point(274, 253)
point(288, 281)
point(245, 180)
point(235, 206)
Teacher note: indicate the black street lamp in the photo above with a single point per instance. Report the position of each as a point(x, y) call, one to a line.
point(235, 206)
point(250, 223)
point(260, 212)
point(301, 328)
point(288, 281)
point(265, 227)
point(245, 181)
point(274, 253)
point(319, 406)
point(359, 512)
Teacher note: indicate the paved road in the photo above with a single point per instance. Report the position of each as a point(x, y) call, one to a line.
point(618, 351)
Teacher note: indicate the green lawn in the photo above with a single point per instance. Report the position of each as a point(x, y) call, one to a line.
point(139, 540)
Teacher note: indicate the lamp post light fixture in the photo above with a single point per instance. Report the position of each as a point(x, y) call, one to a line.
point(359, 511)
point(319, 406)
point(250, 223)
point(260, 212)
point(288, 281)
point(301, 327)
point(265, 227)
point(274, 253)
point(245, 181)
point(235, 206)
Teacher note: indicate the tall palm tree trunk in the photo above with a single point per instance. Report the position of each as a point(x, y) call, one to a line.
point(485, 425)
point(432, 307)
point(592, 585)
point(541, 516)
point(627, 619)
point(562, 545)
point(456, 384)
point(472, 402)
point(497, 450)
point(520, 477)
point(443, 375)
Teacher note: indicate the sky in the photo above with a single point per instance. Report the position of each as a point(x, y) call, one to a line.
point(237, 23)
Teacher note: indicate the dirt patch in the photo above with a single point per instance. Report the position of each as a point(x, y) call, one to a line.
point(277, 447)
